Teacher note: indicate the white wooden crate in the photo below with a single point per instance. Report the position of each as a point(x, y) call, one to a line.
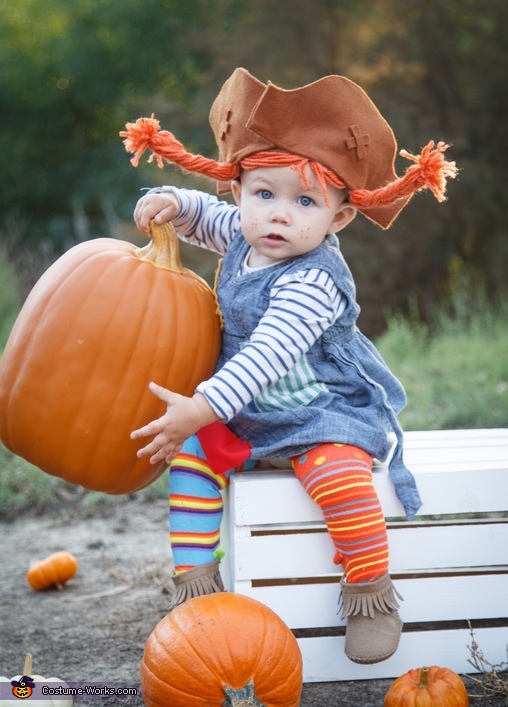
point(450, 570)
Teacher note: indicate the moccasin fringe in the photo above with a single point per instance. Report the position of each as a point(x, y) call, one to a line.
point(366, 599)
point(200, 580)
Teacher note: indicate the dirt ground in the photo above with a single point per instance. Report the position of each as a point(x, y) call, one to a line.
point(95, 629)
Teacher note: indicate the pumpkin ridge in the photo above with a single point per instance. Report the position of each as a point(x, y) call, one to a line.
point(264, 636)
point(68, 276)
point(233, 668)
point(170, 689)
point(190, 647)
point(204, 312)
point(124, 398)
point(267, 685)
point(97, 361)
point(222, 621)
point(259, 674)
point(290, 678)
point(23, 337)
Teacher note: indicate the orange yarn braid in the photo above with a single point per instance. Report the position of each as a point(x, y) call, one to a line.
point(145, 134)
point(430, 170)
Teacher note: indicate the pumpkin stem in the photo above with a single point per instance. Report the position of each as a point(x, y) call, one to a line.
point(27, 668)
point(424, 678)
point(163, 250)
point(244, 697)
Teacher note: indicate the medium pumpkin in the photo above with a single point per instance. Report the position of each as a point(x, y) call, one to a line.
point(100, 324)
point(427, 687)
point(54, 570)
point(221, 650)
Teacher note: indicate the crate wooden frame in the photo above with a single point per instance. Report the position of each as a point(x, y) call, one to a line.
point(450, 563)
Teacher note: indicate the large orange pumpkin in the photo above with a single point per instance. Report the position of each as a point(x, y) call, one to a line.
point(427, 687)
point(221, 650)
point(100, 324)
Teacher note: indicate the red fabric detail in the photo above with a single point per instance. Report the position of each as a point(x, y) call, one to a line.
point(223, 449)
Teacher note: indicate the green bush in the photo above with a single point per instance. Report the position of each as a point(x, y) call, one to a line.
point(458, 376)
point(10, 298)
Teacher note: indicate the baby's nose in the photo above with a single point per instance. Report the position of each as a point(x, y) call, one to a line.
point(280, 214)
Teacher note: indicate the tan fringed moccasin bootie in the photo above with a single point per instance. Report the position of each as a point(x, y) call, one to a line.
point(373, 623)
point(196, 582)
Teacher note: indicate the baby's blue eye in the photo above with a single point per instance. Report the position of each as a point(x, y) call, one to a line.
point(305, 201)
point(265, 194)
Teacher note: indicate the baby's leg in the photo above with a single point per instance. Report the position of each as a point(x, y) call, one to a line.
point(195, 507)
point(195, 514)
point(338, 478)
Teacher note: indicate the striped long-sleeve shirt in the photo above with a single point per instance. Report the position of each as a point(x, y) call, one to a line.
point(302, 306)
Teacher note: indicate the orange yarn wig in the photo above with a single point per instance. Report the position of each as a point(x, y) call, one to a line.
point(331, 126)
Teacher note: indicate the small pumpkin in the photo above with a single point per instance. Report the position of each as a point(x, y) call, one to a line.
point(23, 686)
point(427, 687)
point(221, 650)
point(53, 571)
point(101, 323)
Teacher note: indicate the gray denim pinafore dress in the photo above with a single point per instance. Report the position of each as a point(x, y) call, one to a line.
point(352, 397)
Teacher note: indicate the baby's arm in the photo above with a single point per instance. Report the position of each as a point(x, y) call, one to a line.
point(183, 418)
point(199, 218)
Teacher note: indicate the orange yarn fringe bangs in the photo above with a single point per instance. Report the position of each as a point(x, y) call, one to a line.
point(430, 170)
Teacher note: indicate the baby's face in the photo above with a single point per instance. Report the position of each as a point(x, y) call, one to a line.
point(280, 219)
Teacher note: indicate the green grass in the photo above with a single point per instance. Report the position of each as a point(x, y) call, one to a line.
point(25, 488)
point(10, 300)
point(456, 378)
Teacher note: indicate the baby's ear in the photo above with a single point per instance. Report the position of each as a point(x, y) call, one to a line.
point(236, 190)
point(343, 217)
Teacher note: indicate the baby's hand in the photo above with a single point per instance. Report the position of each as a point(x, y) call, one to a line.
point(161, 207)
point(183, 418)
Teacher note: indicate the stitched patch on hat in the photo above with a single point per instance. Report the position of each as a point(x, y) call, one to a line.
point(358, 141)
point(225, 125)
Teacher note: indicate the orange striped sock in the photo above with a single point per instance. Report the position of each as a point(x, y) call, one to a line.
point(338, 478)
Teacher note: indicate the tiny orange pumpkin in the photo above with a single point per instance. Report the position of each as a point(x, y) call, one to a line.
point(221, 650)
point(53, 571)
point(427, 687)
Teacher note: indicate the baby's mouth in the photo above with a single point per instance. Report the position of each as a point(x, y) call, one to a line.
point(275, 237)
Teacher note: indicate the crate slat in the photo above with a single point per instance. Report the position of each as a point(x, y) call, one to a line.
point(431, 599)
point(324, 658)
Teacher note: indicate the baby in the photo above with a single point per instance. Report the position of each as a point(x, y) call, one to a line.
point(296, 379)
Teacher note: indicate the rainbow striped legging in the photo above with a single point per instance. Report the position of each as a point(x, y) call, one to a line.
point(338, 477)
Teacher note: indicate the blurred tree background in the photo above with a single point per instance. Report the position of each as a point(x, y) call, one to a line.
point(73, 73)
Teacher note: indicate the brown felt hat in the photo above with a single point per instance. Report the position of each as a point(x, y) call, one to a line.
point(331, 121)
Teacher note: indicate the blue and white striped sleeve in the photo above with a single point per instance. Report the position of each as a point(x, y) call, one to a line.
point(302, 306)
point(203, 220)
